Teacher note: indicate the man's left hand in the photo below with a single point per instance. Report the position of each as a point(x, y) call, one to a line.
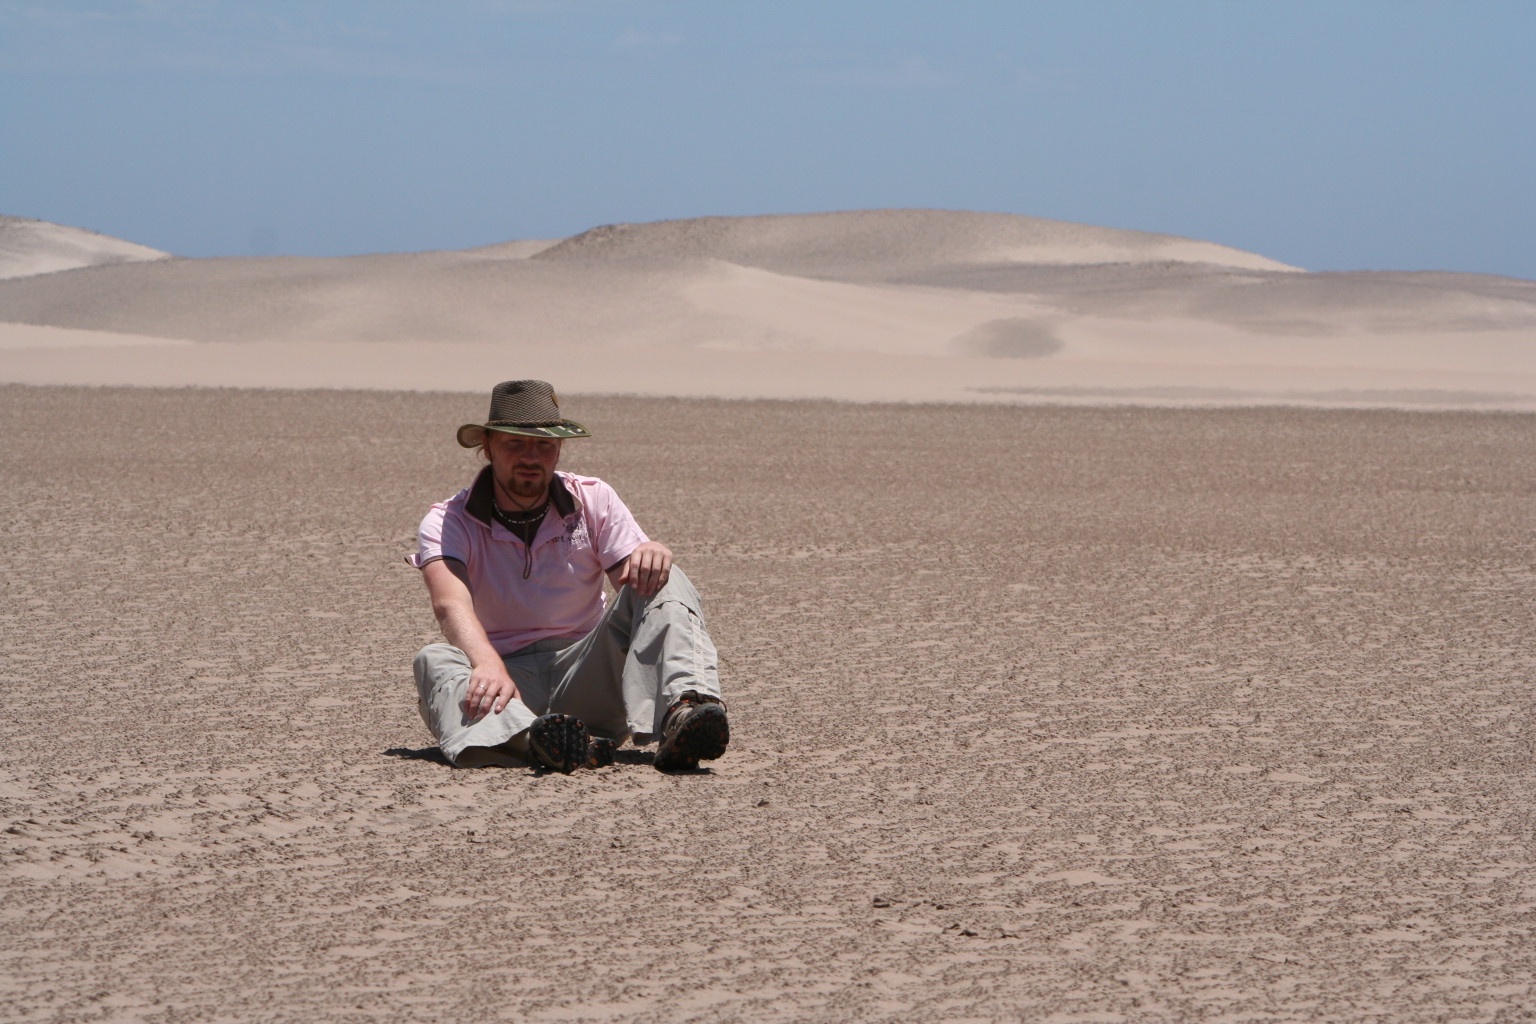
point(646, 569)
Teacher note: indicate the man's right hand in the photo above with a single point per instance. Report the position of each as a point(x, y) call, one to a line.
point(490, 690)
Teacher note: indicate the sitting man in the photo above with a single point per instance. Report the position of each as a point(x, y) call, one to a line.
point(539, 669)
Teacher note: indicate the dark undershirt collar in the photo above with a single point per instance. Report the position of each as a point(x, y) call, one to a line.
point(482, 497)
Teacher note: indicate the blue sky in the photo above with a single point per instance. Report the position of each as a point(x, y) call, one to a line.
point(1333, 134)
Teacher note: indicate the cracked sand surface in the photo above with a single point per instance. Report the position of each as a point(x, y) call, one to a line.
point(1038, 714)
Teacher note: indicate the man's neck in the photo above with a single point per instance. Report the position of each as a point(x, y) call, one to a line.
point(516, 503)
point(485, 497)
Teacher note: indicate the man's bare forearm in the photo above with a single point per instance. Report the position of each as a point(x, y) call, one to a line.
point(454, 607)
point(490, 686)
point(462, 628)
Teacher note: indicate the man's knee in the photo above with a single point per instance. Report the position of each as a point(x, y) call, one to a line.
point(678, 588)
point(433, 658)
point(427, 655)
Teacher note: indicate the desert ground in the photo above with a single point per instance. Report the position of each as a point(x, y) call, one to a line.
point(1039, 714)
point(1194, 686)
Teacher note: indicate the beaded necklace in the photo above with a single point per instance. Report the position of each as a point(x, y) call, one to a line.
point(524, 525)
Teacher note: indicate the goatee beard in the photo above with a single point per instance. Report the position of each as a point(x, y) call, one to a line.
point(525, 490)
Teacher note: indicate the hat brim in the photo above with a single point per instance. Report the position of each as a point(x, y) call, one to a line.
point(473, 434)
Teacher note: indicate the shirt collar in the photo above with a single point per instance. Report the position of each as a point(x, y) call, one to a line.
point(482, 497)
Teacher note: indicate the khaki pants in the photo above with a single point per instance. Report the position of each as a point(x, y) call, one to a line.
point(620, 679)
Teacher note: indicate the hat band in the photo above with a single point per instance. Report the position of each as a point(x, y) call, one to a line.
point(523, 423)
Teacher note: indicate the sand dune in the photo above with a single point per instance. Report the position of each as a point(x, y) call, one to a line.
point(893, 304)
point(29, 247)
point(862, 244)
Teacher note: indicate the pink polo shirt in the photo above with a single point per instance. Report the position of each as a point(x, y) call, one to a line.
point(553, 588)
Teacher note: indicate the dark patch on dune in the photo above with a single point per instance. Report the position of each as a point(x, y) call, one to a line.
point(1265, 302)
point(1013, 338)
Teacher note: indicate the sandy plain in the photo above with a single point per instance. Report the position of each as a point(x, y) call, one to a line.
point(1040, 714)
point(1065, 699)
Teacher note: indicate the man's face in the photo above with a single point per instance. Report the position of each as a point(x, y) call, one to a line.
point(522, 466)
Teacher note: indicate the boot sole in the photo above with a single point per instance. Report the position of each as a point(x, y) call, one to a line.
point(600, 752)
point(558, 742)
point(702, 738)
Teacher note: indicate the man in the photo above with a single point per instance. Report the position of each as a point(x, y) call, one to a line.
point(539, 669)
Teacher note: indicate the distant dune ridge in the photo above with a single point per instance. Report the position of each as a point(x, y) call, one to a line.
point(865, 305)
point(891, 244)
point(29, 247)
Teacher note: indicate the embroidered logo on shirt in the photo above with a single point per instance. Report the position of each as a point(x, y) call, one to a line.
point(576, 533)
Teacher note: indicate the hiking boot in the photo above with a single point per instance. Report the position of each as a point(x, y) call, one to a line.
point(600, 752)
point(694, 730)
point(557, 742)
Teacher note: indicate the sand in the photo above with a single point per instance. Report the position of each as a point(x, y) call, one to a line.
point(892, 305)
point(1151, 677)
point(1039, 714)
point(29, 247)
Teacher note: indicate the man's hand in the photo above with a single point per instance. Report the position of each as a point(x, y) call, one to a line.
point(490, 688)
point(646, 569)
